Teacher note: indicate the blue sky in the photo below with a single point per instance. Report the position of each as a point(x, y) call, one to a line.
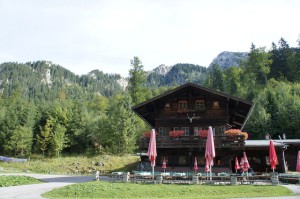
point(83, 35)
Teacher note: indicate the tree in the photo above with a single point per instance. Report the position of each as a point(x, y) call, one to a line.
point(19, 141)
point(215, 78)
point(279, 56)
point(122, 136)
point(45, 136)
point(137, 80)
point(258, 65)
point(232, 80)
point(59, 140)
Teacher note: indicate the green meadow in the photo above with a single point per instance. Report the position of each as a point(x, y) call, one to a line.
point(130, 190)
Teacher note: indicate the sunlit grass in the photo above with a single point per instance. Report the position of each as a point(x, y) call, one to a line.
point(7, 181)
point(74, 165)
point(131, 190)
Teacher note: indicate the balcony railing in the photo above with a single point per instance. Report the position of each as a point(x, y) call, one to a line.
point(236, 142)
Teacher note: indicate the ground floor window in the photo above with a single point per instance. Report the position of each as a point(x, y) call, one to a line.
point(186, 130)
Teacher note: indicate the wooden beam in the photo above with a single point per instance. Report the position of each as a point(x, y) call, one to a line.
point(237, 114)
point(240, 124)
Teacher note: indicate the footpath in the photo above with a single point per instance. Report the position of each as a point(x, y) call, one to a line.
point(34, 191)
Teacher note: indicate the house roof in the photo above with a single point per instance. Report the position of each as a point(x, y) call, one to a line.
point(242, 107)
point(266, 143)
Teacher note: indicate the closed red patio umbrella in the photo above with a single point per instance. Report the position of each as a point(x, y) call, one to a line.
point(152, 150)
point(164, 165)
point(272, 156)
point(246, 165)
point(195, 164)
point(210, 149)
point(236, 165)
point(298, 162)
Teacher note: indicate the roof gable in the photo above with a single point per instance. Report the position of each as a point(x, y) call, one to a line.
point(146, 109)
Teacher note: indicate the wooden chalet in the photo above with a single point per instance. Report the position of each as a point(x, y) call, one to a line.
point(179, 116)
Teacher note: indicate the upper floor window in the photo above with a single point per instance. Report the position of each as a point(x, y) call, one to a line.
point(182, 104)
point(199, 104)
point(216, 105)
point(167, 106)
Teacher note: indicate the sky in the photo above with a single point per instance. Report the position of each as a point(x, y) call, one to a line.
point(84, 35)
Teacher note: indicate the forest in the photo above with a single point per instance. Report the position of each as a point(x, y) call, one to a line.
point(47, 110)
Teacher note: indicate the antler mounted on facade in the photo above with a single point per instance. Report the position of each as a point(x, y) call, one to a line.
point(191, 118)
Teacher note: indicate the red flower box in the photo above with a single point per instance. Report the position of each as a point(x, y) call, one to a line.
point(176, 133)
point(202, 133)
point(148, 133)
point(236, 132)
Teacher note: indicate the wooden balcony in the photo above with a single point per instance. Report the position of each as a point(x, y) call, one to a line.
point(196, 142)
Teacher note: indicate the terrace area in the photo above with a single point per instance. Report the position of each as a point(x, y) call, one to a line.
point(232, 142)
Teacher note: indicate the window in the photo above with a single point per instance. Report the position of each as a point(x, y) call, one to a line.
point(186, 130)
point(167, 106)
point(161, 131)
point(216, 105)
point(199, 105)
point(176, 129)
point(182, 104)
point(197, 129)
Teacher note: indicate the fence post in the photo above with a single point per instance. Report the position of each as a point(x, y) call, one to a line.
point(97, 175)
point(274, 179)
point(195, 179)
point(233, 179)
point(125, 176)
point(159, 178)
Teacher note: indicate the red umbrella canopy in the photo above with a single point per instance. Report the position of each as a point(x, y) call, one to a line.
point(164, 165)
point(152, 148)
point(246, 165)
point(272, 156)
point(298, 162)
point(210, 147)
point(195, 164)
point(236, 165)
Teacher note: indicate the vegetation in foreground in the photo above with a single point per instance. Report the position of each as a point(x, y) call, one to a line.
point(7, 181)
point(130, 190)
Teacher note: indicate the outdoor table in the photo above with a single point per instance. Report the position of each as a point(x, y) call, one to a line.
point(165, 174)
point(179, 175)
point(116, 174)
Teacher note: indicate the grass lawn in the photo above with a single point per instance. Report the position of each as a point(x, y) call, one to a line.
point(130, 190)
point(7, 181)
point(73, 164)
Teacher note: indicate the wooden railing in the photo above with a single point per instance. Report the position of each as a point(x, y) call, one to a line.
point(236, 142)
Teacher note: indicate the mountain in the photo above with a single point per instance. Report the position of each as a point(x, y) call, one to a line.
point(226, 59)
point(176, 75)
point(45, 80)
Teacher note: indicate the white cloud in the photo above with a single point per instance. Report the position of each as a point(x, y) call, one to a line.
point(106, 35)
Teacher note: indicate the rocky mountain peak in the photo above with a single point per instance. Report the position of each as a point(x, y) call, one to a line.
point(226, 59)
point(162, 69)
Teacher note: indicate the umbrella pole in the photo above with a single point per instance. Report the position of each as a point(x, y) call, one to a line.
point(210, 174)
point(153, 171)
